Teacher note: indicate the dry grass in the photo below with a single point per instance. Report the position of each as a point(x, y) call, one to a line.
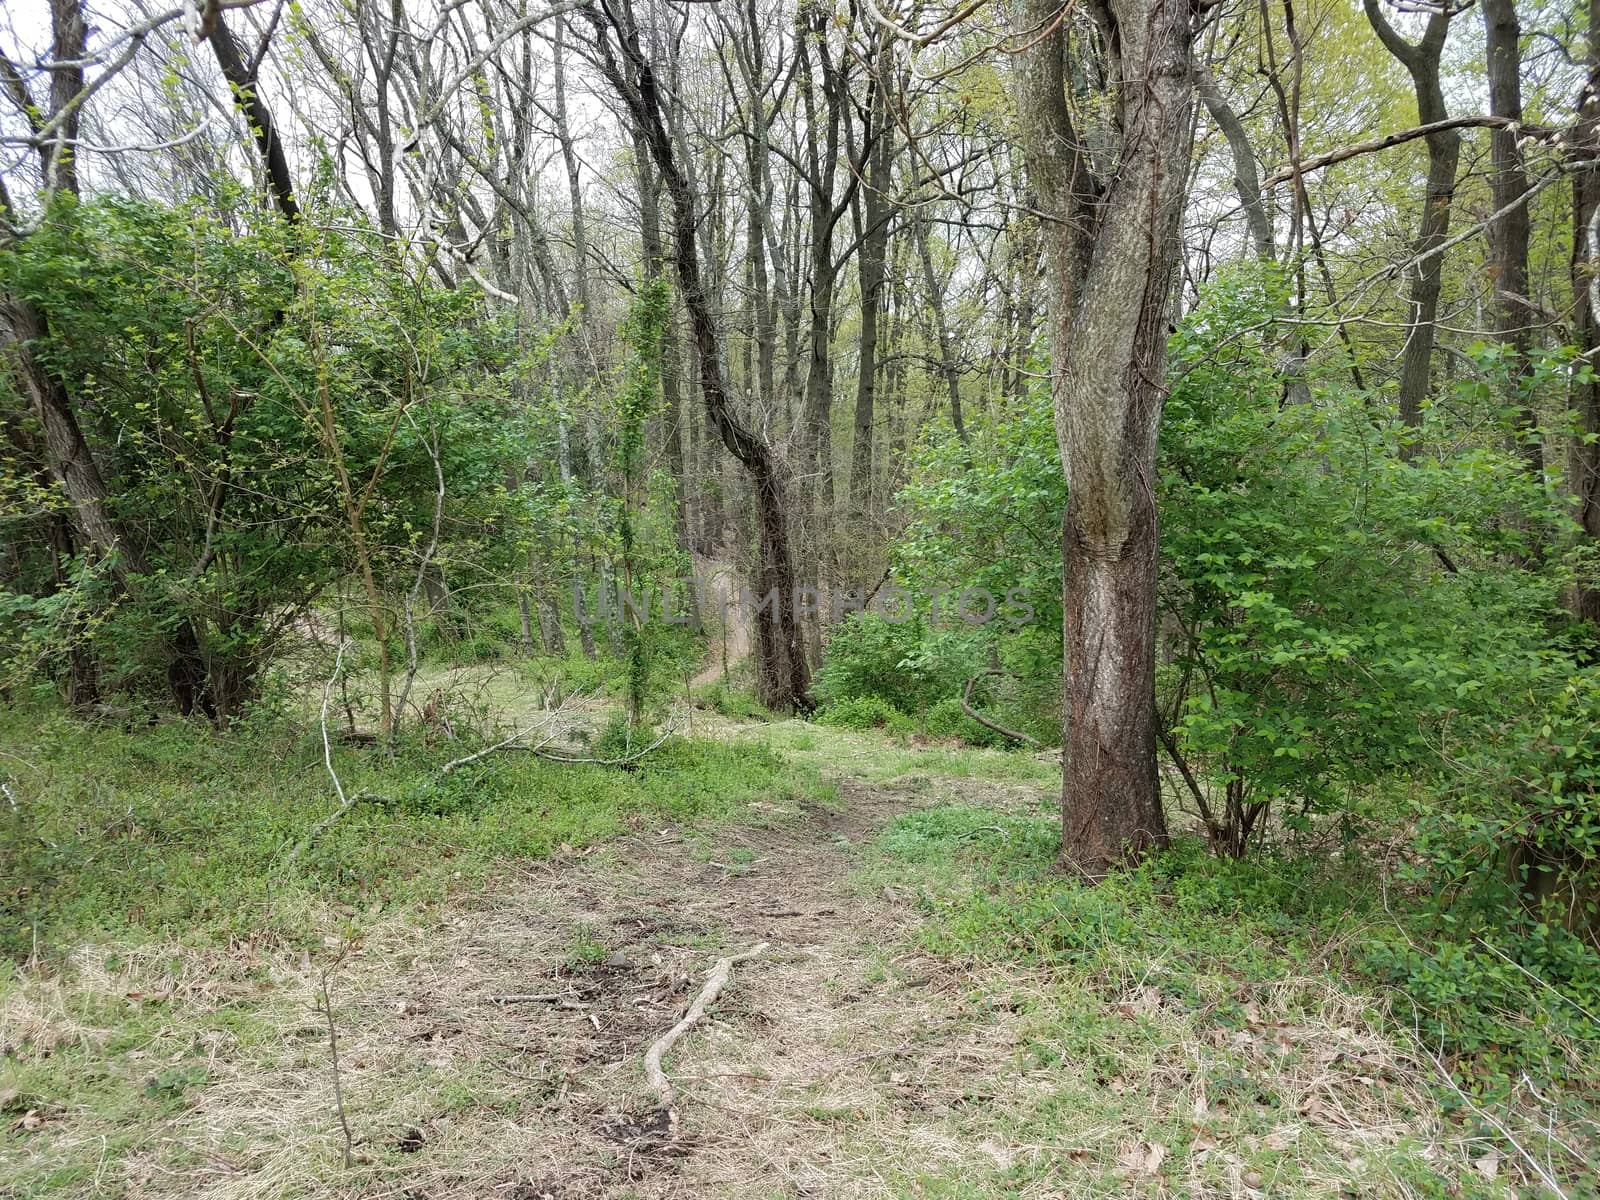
point(843, 1063)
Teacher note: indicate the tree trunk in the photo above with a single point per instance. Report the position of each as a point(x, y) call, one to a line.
point(655, 262)
point(1246, 173)
point(1111, 251)
point(1509, 234)
point(1444, 150)
point(1586, 313)
point(871, 267)
point(784, 680)
point(941, 332)
point(246, 95)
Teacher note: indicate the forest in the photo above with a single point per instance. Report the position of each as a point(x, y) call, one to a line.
point(626, 599)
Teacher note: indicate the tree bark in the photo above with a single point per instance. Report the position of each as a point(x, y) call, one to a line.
point(941, 332)
point(1444, 151)
point(1111, 250)
point(1510, 233)
point(1585, 466)
point(871, 268)
point(247, 96)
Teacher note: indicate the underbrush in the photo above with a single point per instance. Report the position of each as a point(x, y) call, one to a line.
point(177, 830)
point(1265, 1021)
point(732, 701)
point(909, 677)
point(942, 720)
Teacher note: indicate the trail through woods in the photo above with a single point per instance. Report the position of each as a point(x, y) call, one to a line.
point(498, 1052)
point(820, 1051)
point(721, 610)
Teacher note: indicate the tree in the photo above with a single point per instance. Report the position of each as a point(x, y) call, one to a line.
point(1421, 60)
point(1111, 252)
point(784, 675)
point(1586, 308)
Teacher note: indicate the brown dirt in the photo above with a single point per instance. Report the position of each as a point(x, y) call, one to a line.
point(787, 1087)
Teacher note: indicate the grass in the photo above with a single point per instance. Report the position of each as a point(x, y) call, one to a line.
point(180, 891)
point(1193, 1028)
point(875, 758)
point(178, 831)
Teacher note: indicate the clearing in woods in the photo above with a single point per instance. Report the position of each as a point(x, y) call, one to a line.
point(902, 1033)
point(493, 1047)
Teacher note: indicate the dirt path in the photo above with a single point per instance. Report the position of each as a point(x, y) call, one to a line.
point(733, 646)
point(821, 1054)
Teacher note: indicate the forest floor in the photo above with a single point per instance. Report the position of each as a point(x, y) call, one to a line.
point(491, 1046)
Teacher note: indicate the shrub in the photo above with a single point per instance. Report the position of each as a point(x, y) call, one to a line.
point(865, 712)
point(905, 664)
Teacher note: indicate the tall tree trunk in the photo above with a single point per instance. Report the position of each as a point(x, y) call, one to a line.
point(941, 331)
point(1585, 467)
point(1246, 173)
point(871, 268)
point(246, 91)
point(655, 264)
point(1444, 150)
point(1111, 250)
point(1510, 233)
point(784, 680)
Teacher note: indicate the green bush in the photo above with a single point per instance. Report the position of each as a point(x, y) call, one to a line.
point(734, 702)
point(865, 712)
point(907, 664)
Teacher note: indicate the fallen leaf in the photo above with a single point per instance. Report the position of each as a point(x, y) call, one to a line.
point(1489, 1165)
point(1144, 1157)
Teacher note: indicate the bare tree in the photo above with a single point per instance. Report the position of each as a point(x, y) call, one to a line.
point(1421, 60)
point(784, 681)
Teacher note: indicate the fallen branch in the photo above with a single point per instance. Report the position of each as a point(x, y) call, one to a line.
point(715, 982)
point(514, 741)
point(605, 762)
point(333, 1054)
point(966, 707)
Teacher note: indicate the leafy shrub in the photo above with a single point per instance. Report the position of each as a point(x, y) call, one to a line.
point(1509, 1002)
point(906, 665)
point(945, 718)
point(734, 702)
point(865, 712)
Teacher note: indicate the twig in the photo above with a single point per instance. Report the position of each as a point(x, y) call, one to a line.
point(422, 564)
point(715, 982)
point(333, 1053)
point(1544, 1174)
point(346, 803)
